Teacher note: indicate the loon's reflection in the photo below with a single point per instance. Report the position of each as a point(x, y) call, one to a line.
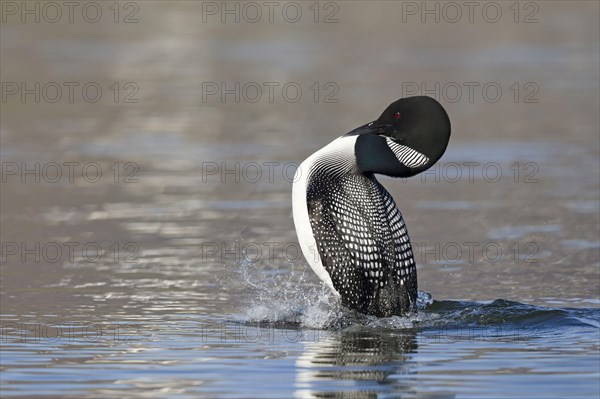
point(356, 364)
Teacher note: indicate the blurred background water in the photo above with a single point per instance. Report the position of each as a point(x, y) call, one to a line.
point(147, 153)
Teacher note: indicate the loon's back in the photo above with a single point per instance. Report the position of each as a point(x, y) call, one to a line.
point(363, 244)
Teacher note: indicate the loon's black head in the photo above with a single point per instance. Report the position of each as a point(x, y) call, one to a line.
point(409, 137)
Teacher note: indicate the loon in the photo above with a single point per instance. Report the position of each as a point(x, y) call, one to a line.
point(349, 228)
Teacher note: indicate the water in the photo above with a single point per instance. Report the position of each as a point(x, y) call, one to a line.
point(450, 349)
point(177, 273)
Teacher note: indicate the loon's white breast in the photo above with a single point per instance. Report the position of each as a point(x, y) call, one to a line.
point(341, 153)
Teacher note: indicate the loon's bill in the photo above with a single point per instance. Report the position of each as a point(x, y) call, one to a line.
point(350, 230)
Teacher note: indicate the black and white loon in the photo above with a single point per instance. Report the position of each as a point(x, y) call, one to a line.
point(349, 228)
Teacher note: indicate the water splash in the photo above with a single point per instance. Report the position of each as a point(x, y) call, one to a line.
point(285, 297)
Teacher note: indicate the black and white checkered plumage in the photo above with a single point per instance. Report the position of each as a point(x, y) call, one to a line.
point(349, 227)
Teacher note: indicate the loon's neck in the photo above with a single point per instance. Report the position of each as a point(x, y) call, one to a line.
point(336, 159)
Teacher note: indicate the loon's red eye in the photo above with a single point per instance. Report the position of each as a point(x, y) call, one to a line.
point(397, 115)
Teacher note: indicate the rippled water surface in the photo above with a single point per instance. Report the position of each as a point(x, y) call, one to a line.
point(163, 261)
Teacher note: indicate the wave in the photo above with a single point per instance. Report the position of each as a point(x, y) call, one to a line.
point(287, 301)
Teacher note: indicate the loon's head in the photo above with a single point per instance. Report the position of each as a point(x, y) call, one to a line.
point(409, 137)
